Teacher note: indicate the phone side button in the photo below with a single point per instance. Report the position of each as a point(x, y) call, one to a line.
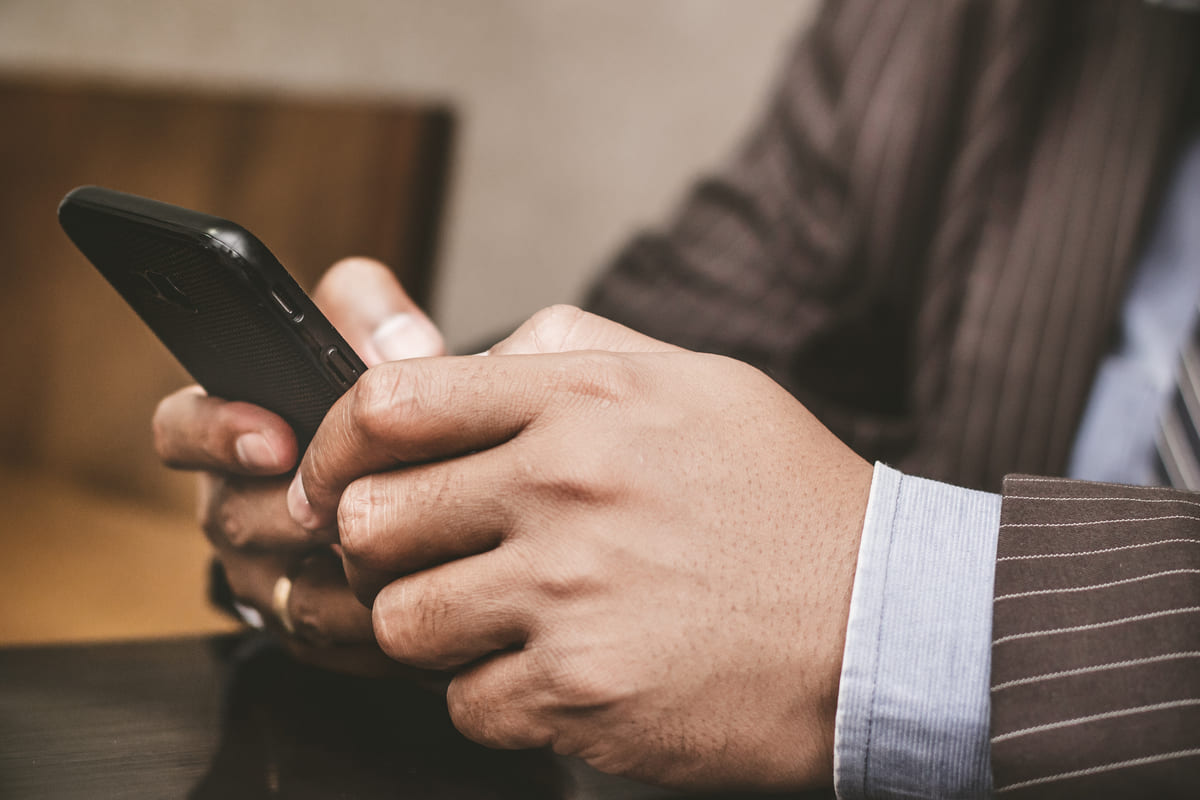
point(286, 305)
point(340, 366)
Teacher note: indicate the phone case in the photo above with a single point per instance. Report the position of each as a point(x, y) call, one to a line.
point(220, 302)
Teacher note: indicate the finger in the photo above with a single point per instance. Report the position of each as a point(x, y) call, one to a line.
point(454, 613)
point(369, 307)
point(249, 513)
point(396, 523)
point(563, 328)
point(252, 577)
point(416, 411)
point(195, 431)
point(495, 701)
point(320, 605)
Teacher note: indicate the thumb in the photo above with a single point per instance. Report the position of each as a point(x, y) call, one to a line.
point(369, 307)
point(562, 328)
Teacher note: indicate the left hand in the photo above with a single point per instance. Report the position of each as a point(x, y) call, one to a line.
point(243, 456)
point(640, 558)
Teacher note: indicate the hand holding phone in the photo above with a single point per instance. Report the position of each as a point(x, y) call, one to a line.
point(242, 507)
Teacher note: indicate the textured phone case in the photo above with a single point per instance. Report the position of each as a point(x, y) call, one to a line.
point(213, 310)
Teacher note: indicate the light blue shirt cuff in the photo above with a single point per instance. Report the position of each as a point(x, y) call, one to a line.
point(913, 704)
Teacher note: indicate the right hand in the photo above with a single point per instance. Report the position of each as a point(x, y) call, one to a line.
point(245, 455)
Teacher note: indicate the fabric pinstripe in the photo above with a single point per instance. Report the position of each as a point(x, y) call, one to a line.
point(932, 225)
point(927, 239)
point(1096, 641)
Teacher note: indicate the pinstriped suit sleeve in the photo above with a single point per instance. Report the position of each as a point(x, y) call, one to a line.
point(1096, 641)
point(790, 258)
point(754, 260)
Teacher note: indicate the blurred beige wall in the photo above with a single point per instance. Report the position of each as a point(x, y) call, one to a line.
point(581, 119)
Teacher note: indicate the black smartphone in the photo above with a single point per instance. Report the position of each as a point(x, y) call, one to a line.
point(221, 303)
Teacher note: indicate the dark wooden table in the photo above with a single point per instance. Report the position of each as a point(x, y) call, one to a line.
point(235, 717)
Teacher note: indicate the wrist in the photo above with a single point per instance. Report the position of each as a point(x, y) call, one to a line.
point(846, 511)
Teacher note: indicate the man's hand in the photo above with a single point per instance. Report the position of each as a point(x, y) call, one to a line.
point(245, 456)
point(641, 558)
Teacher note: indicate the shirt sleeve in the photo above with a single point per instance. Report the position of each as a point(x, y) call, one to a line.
point(913, 703)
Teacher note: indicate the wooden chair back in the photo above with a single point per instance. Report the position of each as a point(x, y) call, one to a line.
point(315, 179)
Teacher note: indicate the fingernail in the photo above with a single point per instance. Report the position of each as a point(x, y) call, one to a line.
point(406, 335)
point(255, 452)
point(298, 505)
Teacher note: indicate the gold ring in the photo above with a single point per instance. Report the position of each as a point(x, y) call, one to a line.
point(280, 596)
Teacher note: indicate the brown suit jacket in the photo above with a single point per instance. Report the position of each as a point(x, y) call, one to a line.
point(927, 239)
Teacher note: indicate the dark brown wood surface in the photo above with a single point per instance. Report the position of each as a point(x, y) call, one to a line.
point(235, 717)
point(315, 179)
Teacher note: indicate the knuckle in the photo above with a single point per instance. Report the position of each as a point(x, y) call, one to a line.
point(603, 379)
point(218, 438)
point(573, 483)
point(375, 395)
point(587, 688)
point(381, 396)
point(737, 373)
point(551, 328)
point(615, 758)
point(571, 575)
point(176, 426)
point(409, 626)
point(224, 521)
point(344, 268)
point(470, 715)
point(425, 490)
point(311, 619)
point(577, 682)
point(480, 709)
point(343, 281)
point(583, 475)
point(357, 517)
point(387, 627)
point(232, 526)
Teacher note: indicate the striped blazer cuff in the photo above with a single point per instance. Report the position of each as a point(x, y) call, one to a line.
point(1096, 641)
